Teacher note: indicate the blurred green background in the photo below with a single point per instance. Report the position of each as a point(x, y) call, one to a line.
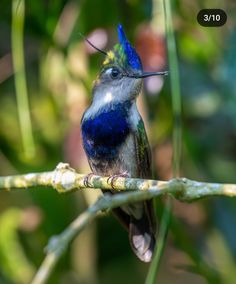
point(35, 136)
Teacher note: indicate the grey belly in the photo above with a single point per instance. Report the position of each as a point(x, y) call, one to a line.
point(125, 161)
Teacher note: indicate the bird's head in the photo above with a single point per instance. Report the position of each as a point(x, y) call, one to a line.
point(122, 74)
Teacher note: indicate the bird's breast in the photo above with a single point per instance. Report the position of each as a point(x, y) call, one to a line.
point(104, 133)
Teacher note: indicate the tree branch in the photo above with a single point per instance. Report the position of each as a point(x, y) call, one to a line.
point(65, 179)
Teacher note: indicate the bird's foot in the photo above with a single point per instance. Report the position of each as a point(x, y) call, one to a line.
point(86, 180)
point(113, 178)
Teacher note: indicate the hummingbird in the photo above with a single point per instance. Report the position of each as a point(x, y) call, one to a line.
point(115, 140)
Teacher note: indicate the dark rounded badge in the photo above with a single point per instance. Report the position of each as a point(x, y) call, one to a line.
point(211, 17)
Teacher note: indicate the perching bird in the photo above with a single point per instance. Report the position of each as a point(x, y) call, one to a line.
point(115, 140)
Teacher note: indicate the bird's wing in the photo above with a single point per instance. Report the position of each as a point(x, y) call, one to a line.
point(142, 231)
point(143, 152)
point(139, 217)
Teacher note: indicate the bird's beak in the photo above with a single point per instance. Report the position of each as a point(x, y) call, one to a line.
point(148, 74)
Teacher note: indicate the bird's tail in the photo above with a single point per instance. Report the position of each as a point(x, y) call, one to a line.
point(142, 233)
point(141, 226)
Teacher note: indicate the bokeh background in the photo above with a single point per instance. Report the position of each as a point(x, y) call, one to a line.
point(59, 71)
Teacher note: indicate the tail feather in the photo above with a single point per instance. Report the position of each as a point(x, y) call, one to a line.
point(141, 230)
point(142, 238)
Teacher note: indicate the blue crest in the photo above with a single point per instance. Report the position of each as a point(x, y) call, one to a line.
point(132, 56)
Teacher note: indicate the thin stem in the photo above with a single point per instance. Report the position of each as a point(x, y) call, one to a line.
point(176, 107)
point(18, 13)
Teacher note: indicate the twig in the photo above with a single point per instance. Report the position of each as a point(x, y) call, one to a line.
point(57, 245)
point(65, 179)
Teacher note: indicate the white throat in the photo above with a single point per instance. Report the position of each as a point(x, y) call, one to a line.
point(100, 102)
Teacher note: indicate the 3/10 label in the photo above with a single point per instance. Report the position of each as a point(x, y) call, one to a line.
point(212, 17)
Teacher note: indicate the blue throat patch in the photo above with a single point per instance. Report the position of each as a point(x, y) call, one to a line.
point(104, 133)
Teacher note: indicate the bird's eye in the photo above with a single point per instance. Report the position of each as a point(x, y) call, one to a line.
point(115, 73)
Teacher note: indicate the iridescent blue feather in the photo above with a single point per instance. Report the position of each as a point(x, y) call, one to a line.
point(132, 57)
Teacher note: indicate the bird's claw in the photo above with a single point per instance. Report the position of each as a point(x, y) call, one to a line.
point(86, 180)
point(113, 178)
